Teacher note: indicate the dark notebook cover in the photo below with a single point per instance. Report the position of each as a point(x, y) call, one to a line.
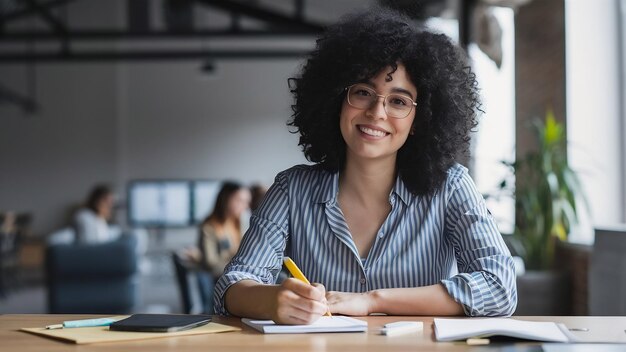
point(160, 322)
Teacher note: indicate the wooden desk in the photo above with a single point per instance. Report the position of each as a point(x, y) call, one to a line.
point(610, 328)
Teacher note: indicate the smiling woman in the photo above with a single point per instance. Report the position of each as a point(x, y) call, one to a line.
point(375, 125)
point(385, 221)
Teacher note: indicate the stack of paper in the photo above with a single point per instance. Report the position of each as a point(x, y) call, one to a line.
point(460, 329)
point(323, 324)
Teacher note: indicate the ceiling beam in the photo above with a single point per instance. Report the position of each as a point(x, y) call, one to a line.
point(48, 17)
point(151, 55)
point(279, 25)
point(264, 14)
point(122, 35)
point(28, 11)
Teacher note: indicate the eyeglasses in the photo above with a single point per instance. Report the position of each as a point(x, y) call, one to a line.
point(363, 97)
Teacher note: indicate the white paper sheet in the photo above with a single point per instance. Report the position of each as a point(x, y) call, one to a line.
point(323, 324)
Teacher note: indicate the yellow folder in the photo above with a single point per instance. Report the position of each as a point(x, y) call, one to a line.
point(103, 334)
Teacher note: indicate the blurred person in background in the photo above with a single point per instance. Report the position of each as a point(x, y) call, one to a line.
point(8, 249)
point(220, 232)
point(91, 222)
point(257, 191)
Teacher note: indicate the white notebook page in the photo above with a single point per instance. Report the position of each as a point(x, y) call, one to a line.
point(460, 329)
point(323, 324)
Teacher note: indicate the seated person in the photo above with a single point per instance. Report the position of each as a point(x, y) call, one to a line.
point(8, 250)
point(386, 221)
point(220, 232)
point(258, 192)
point(91, 221)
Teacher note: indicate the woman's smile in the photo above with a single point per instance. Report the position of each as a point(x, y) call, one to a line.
point(372, 132)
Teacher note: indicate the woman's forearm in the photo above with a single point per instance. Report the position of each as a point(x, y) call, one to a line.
point(251, 299)
point(427, 300)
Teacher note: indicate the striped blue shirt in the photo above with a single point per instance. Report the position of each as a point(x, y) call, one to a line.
point(449, 238)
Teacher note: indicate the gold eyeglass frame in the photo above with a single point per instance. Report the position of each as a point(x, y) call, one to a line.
point(347, 89)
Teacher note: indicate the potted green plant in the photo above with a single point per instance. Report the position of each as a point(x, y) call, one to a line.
point(547, 195)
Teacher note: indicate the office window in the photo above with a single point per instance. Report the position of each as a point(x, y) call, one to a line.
point(447, 26)
point(595, 112)
point(622, 138)
point(495, 139)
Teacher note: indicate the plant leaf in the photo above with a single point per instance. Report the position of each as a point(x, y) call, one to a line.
point(553, 130)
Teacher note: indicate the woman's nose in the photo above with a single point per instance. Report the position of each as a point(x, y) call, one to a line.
point(377, 109)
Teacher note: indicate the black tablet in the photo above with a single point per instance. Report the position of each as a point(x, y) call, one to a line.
point(160, 322)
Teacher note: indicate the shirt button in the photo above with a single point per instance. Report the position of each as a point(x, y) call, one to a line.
point(362, 281)
point(381, 234)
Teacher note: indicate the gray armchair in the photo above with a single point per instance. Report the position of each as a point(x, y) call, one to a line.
point(92, 278)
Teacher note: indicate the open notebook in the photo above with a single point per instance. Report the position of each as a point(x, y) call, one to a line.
point(323, 324)
point(461, 329)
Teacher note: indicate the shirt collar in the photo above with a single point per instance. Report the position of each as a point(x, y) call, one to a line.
point(329, 188)
point(401, 191)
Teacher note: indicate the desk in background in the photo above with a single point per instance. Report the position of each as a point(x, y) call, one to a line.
point(610, 328)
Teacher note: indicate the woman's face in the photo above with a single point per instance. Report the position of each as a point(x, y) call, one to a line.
point(370, 133)
point(105, 206)
point(239, 202)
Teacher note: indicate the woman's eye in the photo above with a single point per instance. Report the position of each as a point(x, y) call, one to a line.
point(363, 92)
point(398, 101)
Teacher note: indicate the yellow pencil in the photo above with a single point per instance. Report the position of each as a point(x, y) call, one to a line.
point(297, 273)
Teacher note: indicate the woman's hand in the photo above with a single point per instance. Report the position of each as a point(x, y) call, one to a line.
point(297, 302)
point(347, 303)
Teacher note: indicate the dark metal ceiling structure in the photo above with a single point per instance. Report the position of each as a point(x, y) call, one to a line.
point(40, 31)
point(57, 39)
point(179, 25)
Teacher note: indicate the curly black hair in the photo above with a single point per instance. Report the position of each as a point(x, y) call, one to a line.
point(357, 48)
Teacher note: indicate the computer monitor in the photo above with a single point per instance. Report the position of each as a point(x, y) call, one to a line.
point(204, 194)
point(158, 203)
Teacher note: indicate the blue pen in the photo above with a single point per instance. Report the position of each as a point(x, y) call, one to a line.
point(82, 323)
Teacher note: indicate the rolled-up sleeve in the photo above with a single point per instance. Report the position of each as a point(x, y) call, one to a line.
point(485, 285)
point(259, 257)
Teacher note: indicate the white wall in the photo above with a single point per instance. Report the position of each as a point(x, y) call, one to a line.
point(171, 122)
point(593, 104)
point(113, 122)
point(229, 124)
point(108, 123)
point(50, 159)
